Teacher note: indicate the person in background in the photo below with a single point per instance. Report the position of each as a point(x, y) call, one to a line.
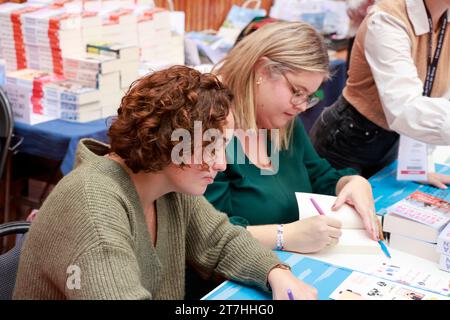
point(399, 83)
point(272, 73)
point(357, 11)
point(127, 220)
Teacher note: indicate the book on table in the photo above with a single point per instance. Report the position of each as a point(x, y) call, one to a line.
point(355, 239)
point(423, 249)
point(443, 246)
point(420, 216)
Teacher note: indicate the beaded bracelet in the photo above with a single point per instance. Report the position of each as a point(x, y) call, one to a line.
point(280, 241)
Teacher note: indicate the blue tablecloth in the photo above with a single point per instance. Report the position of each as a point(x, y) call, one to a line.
point(332, 89)
point(58, 139)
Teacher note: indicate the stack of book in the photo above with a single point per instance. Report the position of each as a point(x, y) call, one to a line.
point(69, 100)
point(128, 56)
point(98, 72)
point(50, 34)
point(24, 89)
point(159, 45)
point(126, 23)
point(415, 223)
point(91, 27)
point(11, 44)
point(444, 248)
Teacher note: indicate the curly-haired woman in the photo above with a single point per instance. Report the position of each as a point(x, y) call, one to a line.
point(126, 221)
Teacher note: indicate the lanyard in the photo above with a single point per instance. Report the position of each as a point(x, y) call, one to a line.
point(433, 62)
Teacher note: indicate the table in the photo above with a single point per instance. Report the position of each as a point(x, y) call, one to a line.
point(385, 181)
point(329, 277)
point(58, 139)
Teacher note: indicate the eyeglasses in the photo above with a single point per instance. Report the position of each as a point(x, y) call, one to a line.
point(299, 97)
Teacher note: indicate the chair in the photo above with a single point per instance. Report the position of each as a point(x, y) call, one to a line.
point(6, 129)
point(9, 261)
point(9, 145)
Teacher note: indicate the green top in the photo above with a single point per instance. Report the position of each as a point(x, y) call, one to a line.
point(93, 226)
point(250, 198)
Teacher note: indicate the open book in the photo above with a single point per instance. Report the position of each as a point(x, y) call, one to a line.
point(355, 239)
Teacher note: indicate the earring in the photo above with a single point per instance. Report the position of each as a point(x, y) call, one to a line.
point(258, 82)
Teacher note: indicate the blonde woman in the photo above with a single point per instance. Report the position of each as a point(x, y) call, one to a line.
point(273, 73)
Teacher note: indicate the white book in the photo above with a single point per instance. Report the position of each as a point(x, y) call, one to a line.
point(420, 216)
point(423, 249)
point(9, 52)
point(110, 28)
point(119, 50)
point(393, 223)
point(112, 99)
point(126, 78)
point(444, 240)
point(72, 92)
point(354, 239)
point(91, 33)
point(87, 115)
point(123, 17)
point(8, 7)
point(423, 208)
point(110, 110)
point(444, 262)
point(109, 83)
point(24, 89)
point(40, 18)
point(95, 62)
point(91, 20)
point(161, 18)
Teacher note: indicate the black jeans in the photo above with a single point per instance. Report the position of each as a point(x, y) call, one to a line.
point(347, 139)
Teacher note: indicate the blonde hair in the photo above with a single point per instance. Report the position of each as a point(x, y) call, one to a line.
point(289, 47)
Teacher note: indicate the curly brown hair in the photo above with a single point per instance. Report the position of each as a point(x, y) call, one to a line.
point(156, 105)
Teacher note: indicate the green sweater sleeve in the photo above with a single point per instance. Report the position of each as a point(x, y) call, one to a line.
point(108, 266)
point(215, 245)
point(322, 175)
point(106, 272)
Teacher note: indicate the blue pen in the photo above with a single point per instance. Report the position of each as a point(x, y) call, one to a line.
point(290, 295)
point(384, 248)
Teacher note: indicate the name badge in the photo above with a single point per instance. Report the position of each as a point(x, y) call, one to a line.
point(412, 160)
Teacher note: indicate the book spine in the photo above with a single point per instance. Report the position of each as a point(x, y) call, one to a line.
point(103, 50)
point(444, 262)
point(444, 246)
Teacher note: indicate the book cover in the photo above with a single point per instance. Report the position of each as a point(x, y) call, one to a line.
point(423, 208)
point(396, 224)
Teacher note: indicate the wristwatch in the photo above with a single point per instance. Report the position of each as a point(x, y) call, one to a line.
point(281, 266)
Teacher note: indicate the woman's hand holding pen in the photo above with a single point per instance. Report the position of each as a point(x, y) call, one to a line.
point(311, 234)
point(357, 192)
point(281, 280)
